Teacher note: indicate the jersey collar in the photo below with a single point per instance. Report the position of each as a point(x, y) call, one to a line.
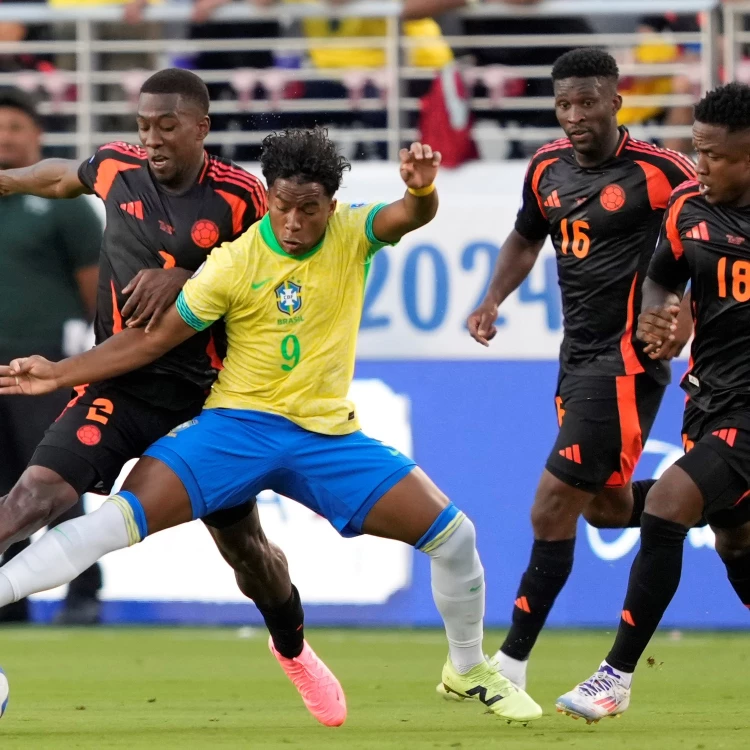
point(624, 138)
point(269, 238)
point(205, 166)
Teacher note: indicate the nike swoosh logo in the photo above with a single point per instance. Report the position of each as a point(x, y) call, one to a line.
point(259, 284)
point(475, 588)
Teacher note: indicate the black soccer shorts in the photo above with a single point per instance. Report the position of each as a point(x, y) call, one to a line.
point(604, 423)
point(717, 459)
point(102, 428)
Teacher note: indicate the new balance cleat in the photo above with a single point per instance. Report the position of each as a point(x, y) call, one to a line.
point(602, 695)
point(318, 686)
point(487, 685)
point(494, 661)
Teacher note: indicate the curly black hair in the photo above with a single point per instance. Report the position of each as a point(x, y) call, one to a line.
point(303, 156)
point(177, 81)
point(728, 106)
point(585, 62)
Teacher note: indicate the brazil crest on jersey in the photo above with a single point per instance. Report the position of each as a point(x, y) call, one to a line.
point(291, 321)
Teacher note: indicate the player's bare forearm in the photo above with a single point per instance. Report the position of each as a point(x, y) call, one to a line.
point(655, 295)
point(685, 316)
point(681, 331)
point(126, 351)
point(517, 257)
point(657, 323)
point(50, 178)
point(395, 220)
point(418, 168)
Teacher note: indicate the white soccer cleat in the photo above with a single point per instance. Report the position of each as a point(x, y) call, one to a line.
point(603, 694)
point(4, 692)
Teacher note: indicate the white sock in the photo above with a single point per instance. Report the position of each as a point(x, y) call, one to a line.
point(63, 553)
point(458, 591)
point(513, 669)
point(625, 678)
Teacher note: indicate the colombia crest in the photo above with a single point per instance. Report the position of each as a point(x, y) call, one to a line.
point(289, 297)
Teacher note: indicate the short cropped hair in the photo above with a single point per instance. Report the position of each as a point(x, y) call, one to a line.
point(303, 156)
point(178, 81)
point(585, 62)
point(13, 98)
point(728, 106)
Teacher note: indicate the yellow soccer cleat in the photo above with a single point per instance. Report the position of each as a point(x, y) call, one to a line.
point(496, 692)
point(494, 663)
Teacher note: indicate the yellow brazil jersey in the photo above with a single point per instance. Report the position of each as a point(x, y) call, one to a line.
point(291, 321)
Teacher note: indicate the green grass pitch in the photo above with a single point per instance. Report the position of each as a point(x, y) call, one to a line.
point(194, 688)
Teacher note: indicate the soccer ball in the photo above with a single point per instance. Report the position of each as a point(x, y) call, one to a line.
point(612, 197)
point(205, 233)
point(4, 692)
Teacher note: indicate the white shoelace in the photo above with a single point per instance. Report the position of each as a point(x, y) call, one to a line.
point(601, 682)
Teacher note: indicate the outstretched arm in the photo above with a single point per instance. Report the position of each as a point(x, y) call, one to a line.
point(50, 178)
point(124, 352)
point(419, 167)
point(514, 264)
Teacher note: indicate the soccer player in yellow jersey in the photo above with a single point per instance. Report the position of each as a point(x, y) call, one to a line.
point(290, 291)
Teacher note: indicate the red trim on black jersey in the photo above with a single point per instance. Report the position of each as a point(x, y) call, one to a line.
point(169, 260)
point(686, 160)
point(126, 148)
point(631, 433)
point(205, 166)
point(692, 184)
point(630, 359)
point(79, 390)
point(238, 206)
point(216, 362)
point(116, 317)
point(673, 214)
point(657, 185)
point(230, 179)
point(241, 178)
point(557, 145)
point(624, 139)
point(106, 173)
point(535, 182)
point(681, 162)
point(257, 194)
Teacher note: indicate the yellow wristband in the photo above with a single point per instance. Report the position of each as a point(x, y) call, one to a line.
point(421, 192)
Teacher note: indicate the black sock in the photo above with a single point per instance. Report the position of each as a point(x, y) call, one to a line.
point(738, 572)
point(640, 490)
point(654, 578)
point(549, 568)
point(286, 625)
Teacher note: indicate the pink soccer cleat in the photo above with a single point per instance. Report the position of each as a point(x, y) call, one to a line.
point(318, 686)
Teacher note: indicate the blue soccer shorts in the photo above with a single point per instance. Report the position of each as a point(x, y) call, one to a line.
point(224, 456)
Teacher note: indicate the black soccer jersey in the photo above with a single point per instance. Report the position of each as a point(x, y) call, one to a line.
point(710, 246)
point(147, 227)
point(604, 223)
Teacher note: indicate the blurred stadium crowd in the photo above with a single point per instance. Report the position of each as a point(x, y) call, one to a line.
point(272, 83)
